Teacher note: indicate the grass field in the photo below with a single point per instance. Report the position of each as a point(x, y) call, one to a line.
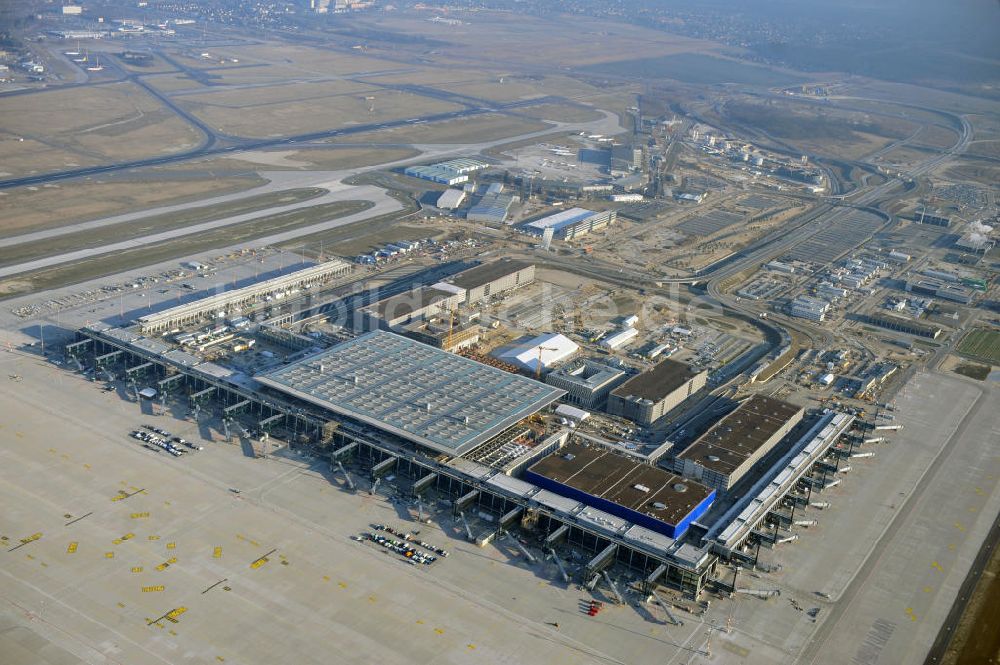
point(295, 116)
point(334, 158)
point(102, 265)
point(487, 38)
point(154, 224)
point(88, 125)
point(34, 208)
point(474, 129)
point(983, 344)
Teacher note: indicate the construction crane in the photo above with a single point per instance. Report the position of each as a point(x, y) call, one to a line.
point(451, 329)
point(538, 366)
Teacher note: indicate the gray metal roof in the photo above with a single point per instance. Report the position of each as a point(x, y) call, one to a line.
point(420, 393)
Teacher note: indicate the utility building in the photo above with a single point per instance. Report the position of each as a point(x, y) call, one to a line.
point(723, 454)
point(649, 396)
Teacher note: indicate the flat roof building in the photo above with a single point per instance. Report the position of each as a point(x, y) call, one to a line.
point(489, 280)
point(419, 303)
point(723, 454)
point(571, 223)
point(642, 494)
point(236, 300)
point(427, 396)
point(647, 397)
point(805, 307)
point(587, 384)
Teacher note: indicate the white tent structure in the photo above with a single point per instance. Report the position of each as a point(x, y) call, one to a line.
point(550, 349)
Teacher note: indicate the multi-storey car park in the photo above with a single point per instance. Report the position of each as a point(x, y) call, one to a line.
point(647, 397)
point(441, 423)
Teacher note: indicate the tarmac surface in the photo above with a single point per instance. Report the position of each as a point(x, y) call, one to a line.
point(896, 542)
point(319, 598)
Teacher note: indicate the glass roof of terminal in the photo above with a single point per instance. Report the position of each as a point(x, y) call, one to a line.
point(421, 393)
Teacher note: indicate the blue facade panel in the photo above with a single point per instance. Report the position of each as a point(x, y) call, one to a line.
point(635, 517)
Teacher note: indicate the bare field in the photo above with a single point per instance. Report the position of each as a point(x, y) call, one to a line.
point(35, 208)
point(985, 148)
point(562, 113)
point(982, 172)
point(99, 123)
point(474, 129)
point(297, 117)
point(934, 136)
point(558, 41)
point(274, 93)
point(849, 135)
point(905, 155)
point(173, 82)
point(288, 60)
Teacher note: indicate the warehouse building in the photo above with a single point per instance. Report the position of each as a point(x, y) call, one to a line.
point(491, 209)
point(538, 353)
point(640, 493)
point(236, 300)
point(649, 396)
point(450, 199)
point(724, 454)
point(421, 303)
point(901, 324)
point(452, 172)
point(572, 223)
point(620, 338)
point(489, 280)
point(587, 383)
